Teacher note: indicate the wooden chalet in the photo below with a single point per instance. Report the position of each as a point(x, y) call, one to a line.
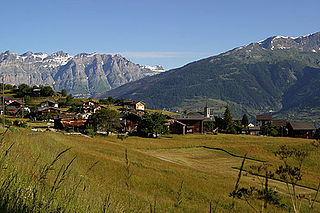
point(300, 129)
point(90, 107)
point(70, 123)
point(190, 123)
point(8, 100)
point(177, 127)
point(49, 104)
point(48, 110)
point(14, 107)
point(136, 105)
point(130, 122)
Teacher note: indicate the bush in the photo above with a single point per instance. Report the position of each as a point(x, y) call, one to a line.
point(18, 123)
point(90, 132)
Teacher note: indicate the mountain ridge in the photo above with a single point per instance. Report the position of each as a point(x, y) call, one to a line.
point(83, 75)
point(255, 78)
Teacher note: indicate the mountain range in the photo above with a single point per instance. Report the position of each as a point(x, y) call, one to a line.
point(83, 75)
point(279, 75)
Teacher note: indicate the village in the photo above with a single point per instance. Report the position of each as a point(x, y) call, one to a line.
point(57, 111)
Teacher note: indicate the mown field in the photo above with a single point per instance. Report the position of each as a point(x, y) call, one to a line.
point(168, 174)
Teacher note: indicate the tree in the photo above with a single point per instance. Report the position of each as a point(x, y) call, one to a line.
point(209, 126)
point(269, 129)
point(228, 124)
point(69, 100)
point(23, 90)
point(27, 99)
point(46, 91)
point(245, 120)
point(317, 134)
point(64, 92)
point(111, 100)
point(219, 122)
point(153, 125)
point(105, 120)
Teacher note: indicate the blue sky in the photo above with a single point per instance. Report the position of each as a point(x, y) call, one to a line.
point(167, 32)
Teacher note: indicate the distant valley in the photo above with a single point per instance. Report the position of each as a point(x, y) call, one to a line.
point(279, 75)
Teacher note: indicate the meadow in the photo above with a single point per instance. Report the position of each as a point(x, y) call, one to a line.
point(53, 172)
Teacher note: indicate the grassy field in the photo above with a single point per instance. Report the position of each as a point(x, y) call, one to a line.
point(173, 174)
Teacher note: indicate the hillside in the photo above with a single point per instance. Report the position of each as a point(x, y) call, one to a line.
point(97, 174)
point(277, 74)
point(82, 75)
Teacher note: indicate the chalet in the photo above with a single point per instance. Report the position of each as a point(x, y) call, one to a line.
point(49, 104)
point(36, 92)
point(90, 107)
point(130, 122)
point(48, 110)
point(190, 123)
point(300, 129)
point(8, 100)
point(130, 104)
point(70, 123)
point(262, 120)
point(253, 130)
point(177, 127)
point(14, 107)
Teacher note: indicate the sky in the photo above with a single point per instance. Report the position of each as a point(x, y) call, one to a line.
point(170, 33)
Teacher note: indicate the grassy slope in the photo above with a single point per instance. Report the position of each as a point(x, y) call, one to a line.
point(158, 166)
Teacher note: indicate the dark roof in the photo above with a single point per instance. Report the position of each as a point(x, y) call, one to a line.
point(44, 108)
point(280, 123)
point(15, 102)
point(186, 118)
point(195, 114)
point(7, 98)
point(66, 115)
point(255, 128)
point(302, 125)
point(264, 117)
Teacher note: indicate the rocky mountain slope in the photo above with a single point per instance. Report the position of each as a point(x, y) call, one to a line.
point(279, 74)
point(82, 75)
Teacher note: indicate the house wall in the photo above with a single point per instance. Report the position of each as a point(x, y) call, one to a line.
point(193, 126)
point(139, 106)
point(176, 128)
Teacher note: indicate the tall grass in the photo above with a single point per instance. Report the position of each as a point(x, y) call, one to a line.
point(48, 188)
point(40, 173)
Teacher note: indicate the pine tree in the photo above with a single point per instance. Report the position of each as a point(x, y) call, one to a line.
point(228, 124)
point(245, 120)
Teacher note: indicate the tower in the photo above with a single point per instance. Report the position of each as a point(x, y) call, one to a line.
point(206, 111)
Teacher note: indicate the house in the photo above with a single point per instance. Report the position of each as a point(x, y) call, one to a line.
point(139, 106)
point(90, 107)
point(130, 104)
point(70, 123)
point(262, 120)
point(8, 100)
point(252, 130)
point(190, 123)
point(49, 104)
point(36, 92)
point(14, 107)
point(300, 129)
point(177, 127)
point(46, 110)
point(130, 122)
